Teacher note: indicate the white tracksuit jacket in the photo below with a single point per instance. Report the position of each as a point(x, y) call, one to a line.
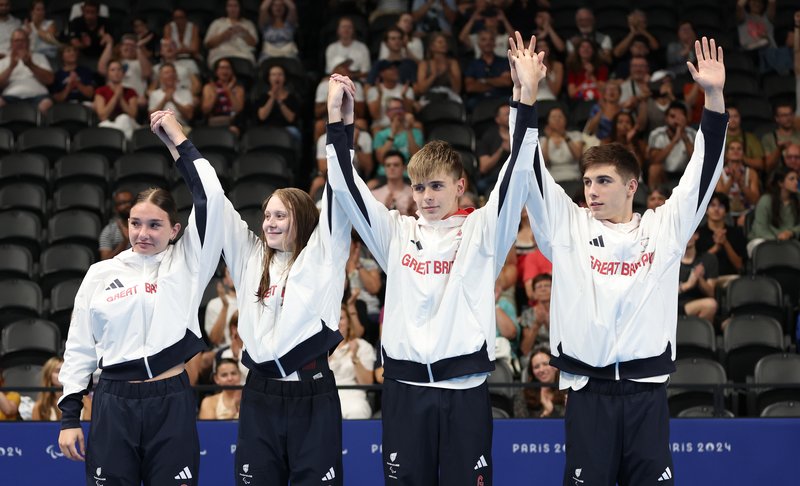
point(439, 321)
point(278, 343)
point(135, 316)
point(613, 311)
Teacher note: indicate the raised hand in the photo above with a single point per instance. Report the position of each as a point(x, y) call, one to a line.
point(709, 73)
point(164, 124)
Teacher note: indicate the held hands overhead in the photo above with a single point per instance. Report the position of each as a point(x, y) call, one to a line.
point(527, 68)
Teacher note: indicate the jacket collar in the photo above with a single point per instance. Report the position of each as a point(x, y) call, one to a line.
point(455, 219)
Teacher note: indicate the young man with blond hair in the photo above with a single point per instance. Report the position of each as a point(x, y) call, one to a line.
point(438, 339)
point(616, 347)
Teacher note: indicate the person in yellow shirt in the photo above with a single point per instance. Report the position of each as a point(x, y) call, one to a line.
point(9, 403)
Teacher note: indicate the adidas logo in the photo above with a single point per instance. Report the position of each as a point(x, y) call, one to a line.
point(116, 284)
point(330, 476)
point(598, 242)
point(185, 474)
point(481, 463)
point(666, 475)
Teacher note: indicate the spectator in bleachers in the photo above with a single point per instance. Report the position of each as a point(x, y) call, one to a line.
point(225, 404)
point(698, 280)
point(231, 36)
point(348, 47)
point(791, 157)
point(185, 35)
point(170, 96)
point(8, 24)
point(9, 403)
point(681, 51)
point(601, 116)
point(753, 152)
point(695, 99)
point(550, 86)
point(234, 349)
point(45, 406)
point(638, 48)
point(25, 75)
point(412, 45)
point(726, 242)
point(487, 76)
point(490, 18)
point(148, 41)
point(505, 310)
point(396, 53)
point(114, 236)
point(561, 149)
point(42, 32)
point(546, 32)
point(364, 274)
point(387, 88)
point(223, 98)
point(547, 401)
point(187, 72)
point(586, 73)
point(77, 10)
point(636, 88)
point(395, 192)
point(401, 134)
point(775, 142)
point(777, 214)
point(434, 15)
point(220, 310)
point(114, 104)
point(625, 132)
point(279, 106)
point(277, 20)
point(584, 21)
point(352, 363)
point(670, 146)
point(438, 75)
point(536, 319)
point(362, 147)
point(739, 182)
point(755, 27)
point(87, 31)
point(136, 65)
point(637, 25)
point(657, 196)
point(661, 97)
point(72, 82)
point(493, 149)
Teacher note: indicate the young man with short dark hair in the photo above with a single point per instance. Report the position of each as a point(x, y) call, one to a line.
point(614, 297)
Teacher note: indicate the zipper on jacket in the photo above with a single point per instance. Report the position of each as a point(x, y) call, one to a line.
point(144, 321)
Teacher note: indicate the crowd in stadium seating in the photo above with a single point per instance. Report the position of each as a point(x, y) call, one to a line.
point(250, 80)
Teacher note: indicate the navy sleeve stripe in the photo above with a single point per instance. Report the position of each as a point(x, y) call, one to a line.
point(329, 196)
point(537, 170)
point(349, 130)
point(526, 118)
point(337, 135)
point(713, 125)
point(188, 154)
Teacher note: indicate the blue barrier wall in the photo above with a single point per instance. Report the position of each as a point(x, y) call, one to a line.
point(526, 452)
